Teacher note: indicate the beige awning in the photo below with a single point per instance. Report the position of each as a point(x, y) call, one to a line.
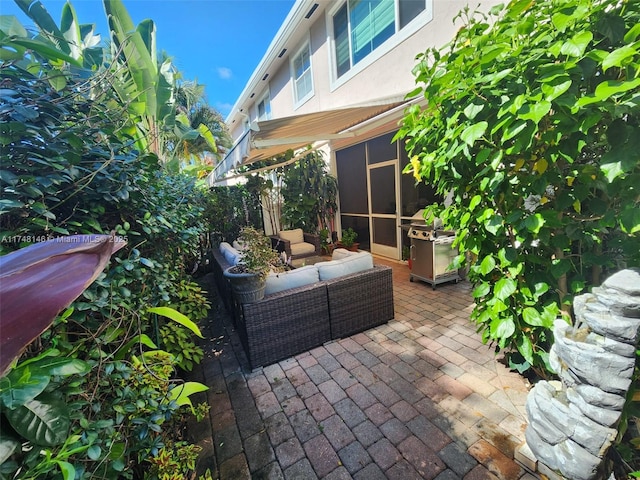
point(270, 138)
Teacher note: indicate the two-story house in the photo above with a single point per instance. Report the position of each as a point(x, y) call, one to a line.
point(335, 76)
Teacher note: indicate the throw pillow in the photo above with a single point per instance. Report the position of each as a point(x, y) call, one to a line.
point(340, 253)
point(231, 254)
point(238, 245)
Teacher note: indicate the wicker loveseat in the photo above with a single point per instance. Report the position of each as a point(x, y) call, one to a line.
point(298, 319)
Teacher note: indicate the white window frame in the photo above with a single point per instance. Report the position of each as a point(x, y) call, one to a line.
point(397, 38)
point(298, 101)
point(266, 97)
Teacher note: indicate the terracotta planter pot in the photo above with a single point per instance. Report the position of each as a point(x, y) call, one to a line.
point(352, 248)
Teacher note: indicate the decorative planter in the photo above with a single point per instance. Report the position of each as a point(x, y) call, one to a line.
point(247, 287)
point(328, 249)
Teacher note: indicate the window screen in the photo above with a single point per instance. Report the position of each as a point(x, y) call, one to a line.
point(352, 171)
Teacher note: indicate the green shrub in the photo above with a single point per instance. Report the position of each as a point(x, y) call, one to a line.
point(68, 167)
point(532, 122)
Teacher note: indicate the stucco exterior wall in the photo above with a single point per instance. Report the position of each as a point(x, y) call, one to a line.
point(388, 75)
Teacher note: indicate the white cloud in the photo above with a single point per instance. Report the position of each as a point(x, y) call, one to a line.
point(224, 108)
point(224, 73)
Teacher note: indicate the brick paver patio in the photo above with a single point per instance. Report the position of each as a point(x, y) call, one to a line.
point(419, 397)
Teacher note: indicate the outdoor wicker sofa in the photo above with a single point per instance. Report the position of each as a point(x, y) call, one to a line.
point(293, 321)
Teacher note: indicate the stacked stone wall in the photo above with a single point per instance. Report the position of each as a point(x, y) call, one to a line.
point(574, 421)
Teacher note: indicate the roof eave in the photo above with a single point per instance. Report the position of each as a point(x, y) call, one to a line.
point(286, 30)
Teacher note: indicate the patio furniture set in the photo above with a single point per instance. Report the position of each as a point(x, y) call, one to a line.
point(308, 306)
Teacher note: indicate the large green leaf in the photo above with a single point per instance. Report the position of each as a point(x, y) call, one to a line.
point(502, 327)
point(473, 132)
point(37, 13)
point(619, 55)
point(141, 339)
point(487, 265)
point(67, 469)
point(556, 87)
point(606, 89)
point(39, 281)
point(71, 30)
point(504, 288)
point(630, 220)
point(139, 61)
point(494, 224)
point(534, 222)
point(532, 317)
point(481, 290)
point(576, 45)
point(43, 420)
point(176, 317)
point(45, 50)
point(63, 366)
point(21, 386)
point(8, 445)
point(181, 393)
point(525, 347)
point(534, 111)
point(10, 27)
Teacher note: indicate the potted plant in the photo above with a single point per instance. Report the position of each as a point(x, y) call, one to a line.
point(248, 277)
point(349, 240)
point(325, 241)
point(406, 255)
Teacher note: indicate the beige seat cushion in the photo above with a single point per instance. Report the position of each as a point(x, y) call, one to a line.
point(276, 282)
point(294, 236)
point(302, 248)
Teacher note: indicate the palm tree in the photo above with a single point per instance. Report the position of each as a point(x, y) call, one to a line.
point(206, 149)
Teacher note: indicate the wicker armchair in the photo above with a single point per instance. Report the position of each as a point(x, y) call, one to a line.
point(283, 245)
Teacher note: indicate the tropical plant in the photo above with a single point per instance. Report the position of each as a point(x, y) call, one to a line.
point(143, 84)
point(71, 42)
point(326, 242)
point(71, 169)
point(199, 154)
point(231, 208)
point(27, 306)
point(309, 193)
point(532, 122)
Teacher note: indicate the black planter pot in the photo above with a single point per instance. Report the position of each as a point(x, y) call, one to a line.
point(247, 287)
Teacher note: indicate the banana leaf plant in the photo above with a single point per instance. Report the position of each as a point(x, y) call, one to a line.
point(72, 44)
point(147, 86)
point(37, 282)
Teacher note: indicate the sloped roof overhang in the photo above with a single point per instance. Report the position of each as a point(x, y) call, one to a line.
point(269, 138)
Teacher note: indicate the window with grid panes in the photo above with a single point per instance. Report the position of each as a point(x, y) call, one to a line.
point(361, 26)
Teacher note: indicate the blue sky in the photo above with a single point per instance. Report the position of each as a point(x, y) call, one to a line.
point(217, 42)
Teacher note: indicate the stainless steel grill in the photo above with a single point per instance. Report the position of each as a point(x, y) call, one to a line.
point(431, 253)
